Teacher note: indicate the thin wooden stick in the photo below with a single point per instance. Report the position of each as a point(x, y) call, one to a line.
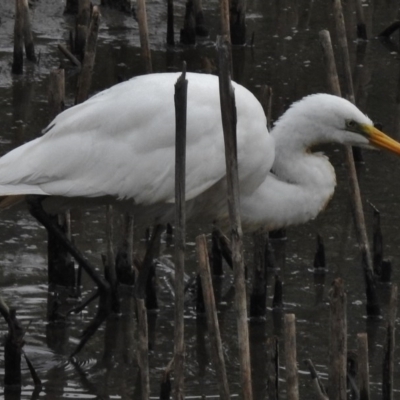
point(355, 195)
point(266, 102)
point(85, 76)
point(228, 110)
point(81, 29)
point(216, 254)
point(292, 380)
point(69, 55)
point(225, 26)
point(377, 242)
point(181, 87)
point(143, 353)
point(338, 341)
point(56, 93)
point(144, 34)
point(28, 37)
point(258, 296)
point(13, 344)
point(217, 354)
point(110, 272)
point(354, 187)
point(342, 39)
point(318, 385)
point(170, 23)
point(273, 368)
point(363, 366)
point(238, 21)
point(361, 26)
point(18, 55)
point(188, 32)
point(389, 346)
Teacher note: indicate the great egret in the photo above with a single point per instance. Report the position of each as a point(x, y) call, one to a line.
point(119, 145)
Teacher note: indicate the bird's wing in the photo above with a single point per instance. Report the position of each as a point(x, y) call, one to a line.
point(121, 143)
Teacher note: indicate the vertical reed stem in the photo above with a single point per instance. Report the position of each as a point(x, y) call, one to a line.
point(85, 76)
point(144, 34)
point(273, 368)
point(389, 346)
point(338, 341)
point(180, 231)
point(28, 37)
point(228, 110)
point(292, 380)
point(363, 366)
point(18, 55)
point(225, 26)
point(212, 318)
point(355, 195)
point(143, 354)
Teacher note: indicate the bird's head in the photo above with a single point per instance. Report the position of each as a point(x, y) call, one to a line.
point(322, 118)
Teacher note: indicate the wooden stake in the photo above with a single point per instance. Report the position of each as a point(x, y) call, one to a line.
point(170, 23)
point(61, 269)
point(355, 194)
point(143, 353)
point(258, 296)
point(144, 35)
point(277, 301)
point(389, 346)
point(188, 32)
point(361, 27)
point(228, 110)
point(216, 254)
point(363, 366)
point(266, 102)
point(85, 76)
point(217, 353)
point(225, 25)
point(377, 244)
point(69, 55)
point(56, 93)
point(12, 346)
point(342, 39)
point(338, 341)
point(319, 258)
point(28, 37)
point(81, 29)
point(273, 368)
point(110, 272)
point(201, 30)
point(238, 22)
point(318, 385)
point(180, 231)
point(18, 55)
point(292, 380)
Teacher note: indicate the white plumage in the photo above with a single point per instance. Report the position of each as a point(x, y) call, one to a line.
point(120, 145)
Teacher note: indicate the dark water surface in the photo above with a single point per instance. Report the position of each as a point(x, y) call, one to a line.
point(288, 57)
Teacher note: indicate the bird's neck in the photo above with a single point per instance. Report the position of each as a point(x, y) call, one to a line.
point(301, 185)
point(308, 177)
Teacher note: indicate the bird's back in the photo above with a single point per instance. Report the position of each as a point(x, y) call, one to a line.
point(121, 143)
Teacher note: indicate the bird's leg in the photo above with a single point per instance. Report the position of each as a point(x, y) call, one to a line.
point(37, 211)
point(104, 290)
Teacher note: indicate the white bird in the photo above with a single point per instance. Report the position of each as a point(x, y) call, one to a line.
point(120, 146)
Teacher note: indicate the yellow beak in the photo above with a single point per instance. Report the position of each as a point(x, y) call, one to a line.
point(380, 140)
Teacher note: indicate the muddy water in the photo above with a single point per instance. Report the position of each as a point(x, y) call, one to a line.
point(286, 56)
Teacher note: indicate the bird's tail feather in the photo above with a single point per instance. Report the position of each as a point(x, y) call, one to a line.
point(11, 195)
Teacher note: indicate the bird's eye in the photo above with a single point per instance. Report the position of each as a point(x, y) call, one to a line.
point(351, 124)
